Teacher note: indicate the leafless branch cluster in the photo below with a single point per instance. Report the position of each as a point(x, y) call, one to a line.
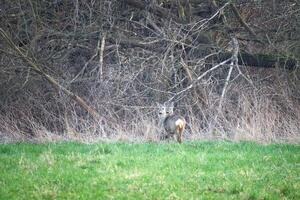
point(94, 70)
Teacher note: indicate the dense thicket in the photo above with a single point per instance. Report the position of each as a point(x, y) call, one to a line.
point(88, 69)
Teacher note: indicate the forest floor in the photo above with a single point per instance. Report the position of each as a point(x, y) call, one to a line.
point(195, 170)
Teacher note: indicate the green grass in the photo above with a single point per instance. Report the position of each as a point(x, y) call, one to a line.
point(198, 170)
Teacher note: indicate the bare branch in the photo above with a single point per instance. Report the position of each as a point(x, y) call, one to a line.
point(101, 56)
point(243, 23)
point(234, 62)
point(50, 79)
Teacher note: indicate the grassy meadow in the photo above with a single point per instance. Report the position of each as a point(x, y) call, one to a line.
point(196, 170)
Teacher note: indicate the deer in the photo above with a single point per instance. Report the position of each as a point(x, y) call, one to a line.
point(173, 124)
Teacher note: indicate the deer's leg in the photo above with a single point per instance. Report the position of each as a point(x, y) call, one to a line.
point(179, 132)
point(179, 137)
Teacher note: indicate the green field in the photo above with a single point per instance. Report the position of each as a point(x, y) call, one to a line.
point(198, 170)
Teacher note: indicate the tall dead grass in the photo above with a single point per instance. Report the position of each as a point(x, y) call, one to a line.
point(257, 109)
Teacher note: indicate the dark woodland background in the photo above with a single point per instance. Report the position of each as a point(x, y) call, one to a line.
point(94, 70)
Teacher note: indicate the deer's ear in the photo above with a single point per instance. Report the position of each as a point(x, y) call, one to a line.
point(172, 104)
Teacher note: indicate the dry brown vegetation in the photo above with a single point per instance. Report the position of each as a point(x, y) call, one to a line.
point(94, 70)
